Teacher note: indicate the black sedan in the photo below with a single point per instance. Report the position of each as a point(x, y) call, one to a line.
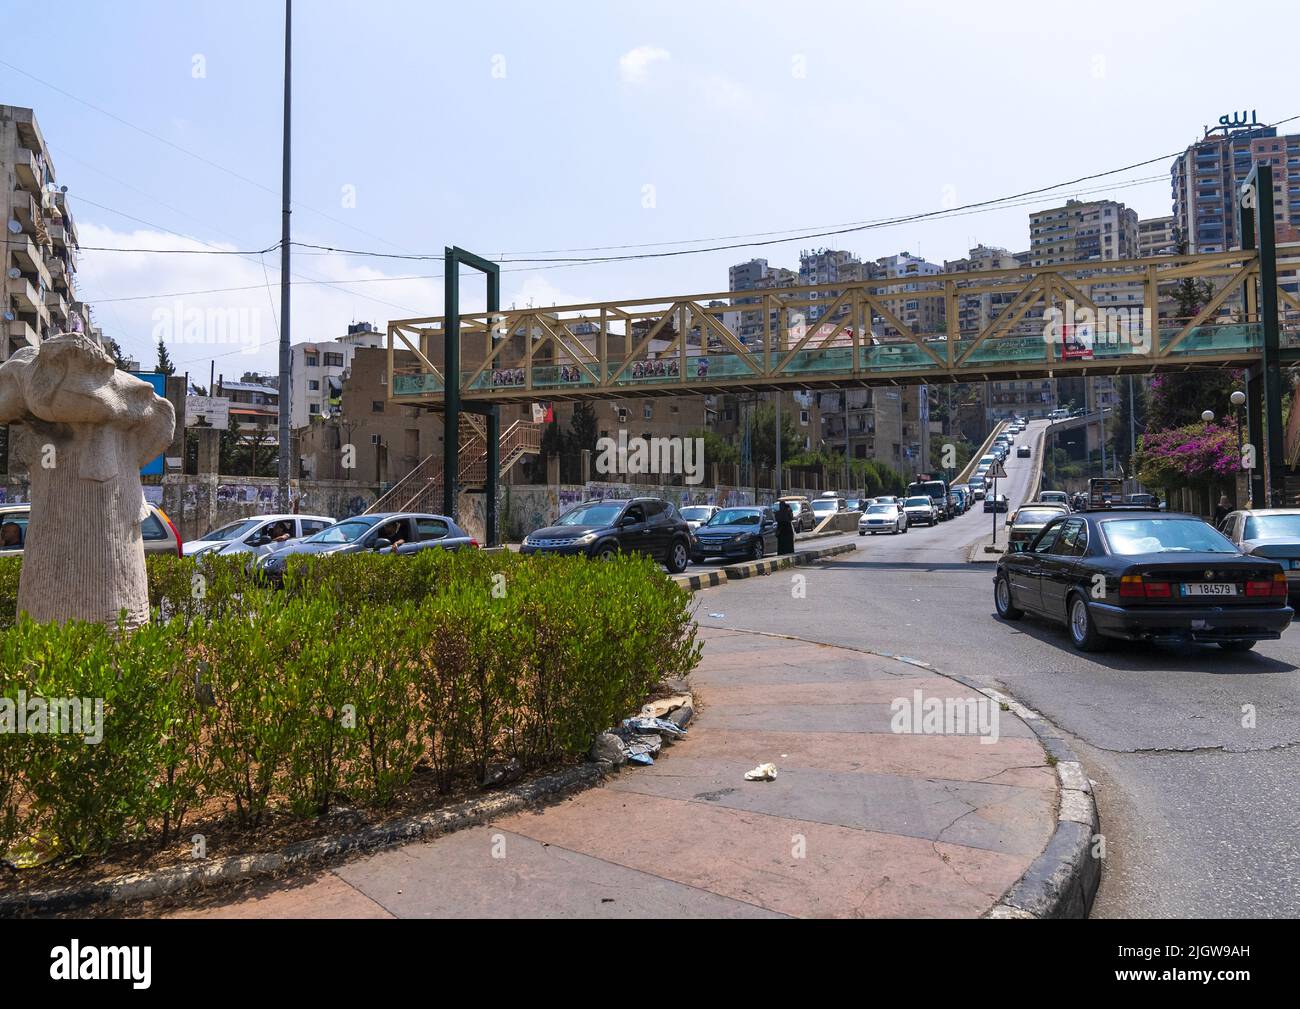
point(1142, 575)
point(603, 529)
point(736, 532)
point(995, 503)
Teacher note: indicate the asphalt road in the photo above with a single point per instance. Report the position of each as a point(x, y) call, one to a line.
point(1200, 813)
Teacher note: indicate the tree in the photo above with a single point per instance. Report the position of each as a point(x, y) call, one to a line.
point(165, 364)
point(115, 351)
point(583, 428)
point(762, 444)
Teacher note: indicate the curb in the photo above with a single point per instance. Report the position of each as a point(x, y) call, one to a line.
point(146, 886)
point(1062, 881)
point(750, 569)
point(976, 554)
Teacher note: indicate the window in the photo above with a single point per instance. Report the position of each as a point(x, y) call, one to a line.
point(431, 529)
point(376, 406)
point(649, 411)
point(312, 526)
point(313, 360)
point(313, 385)
point(152, 528)
point(1074, 538)
point(313, 409)
point(333, 360)
point(803, 416)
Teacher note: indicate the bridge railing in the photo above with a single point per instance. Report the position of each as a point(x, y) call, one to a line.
point(1068, 317)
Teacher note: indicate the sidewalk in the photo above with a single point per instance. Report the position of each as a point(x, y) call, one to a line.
point(860, 821)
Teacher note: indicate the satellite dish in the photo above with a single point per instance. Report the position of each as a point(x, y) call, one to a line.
point(9, 316)
point(14, 273)
point(63, 189)
point(14, 227)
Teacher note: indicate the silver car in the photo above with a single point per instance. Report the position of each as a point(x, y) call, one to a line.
point(257, 534)
point(1273, 533)
point(883, 518)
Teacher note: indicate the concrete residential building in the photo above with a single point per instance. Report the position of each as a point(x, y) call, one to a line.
point(317, 371)
point(1206, 178)
point(40, 300)
point(921, 315)
point(755, 275)
point(1078, 232)
point(1157, 237)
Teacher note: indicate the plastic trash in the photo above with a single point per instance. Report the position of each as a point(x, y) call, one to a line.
point(641, 749)
point(763, 772)
point(642, 723)
point(718, 616)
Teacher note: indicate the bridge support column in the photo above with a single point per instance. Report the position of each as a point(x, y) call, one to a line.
point(493, 472)
point(1257, 231)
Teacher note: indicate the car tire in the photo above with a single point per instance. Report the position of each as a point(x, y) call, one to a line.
point(862, 532)
point(756, 549)
point(1083, 632)
point(607, 552)
point(1237, 646)
point(1002, 599)
point(678, 557)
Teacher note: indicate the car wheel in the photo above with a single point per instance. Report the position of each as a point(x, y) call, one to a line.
point(1237, 646)
point(1007, 610)
point(756, 551)
point(1083, 633)
point(607, 553)
point(677, 558)
point(862, 532)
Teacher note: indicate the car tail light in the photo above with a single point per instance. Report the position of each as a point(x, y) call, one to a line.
point(1137, 587)
point(180, 552)
point(1157, 590)
point(1275, 588)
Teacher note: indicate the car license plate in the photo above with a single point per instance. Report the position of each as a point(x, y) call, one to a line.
point(1209, 589)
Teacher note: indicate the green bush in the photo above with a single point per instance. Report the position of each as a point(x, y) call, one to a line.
point(333, 686)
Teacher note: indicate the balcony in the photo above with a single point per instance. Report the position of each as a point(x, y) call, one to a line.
point(58, 233)
point(30, 172)
point(20, 335)
point(58, 307)
point(27, 211)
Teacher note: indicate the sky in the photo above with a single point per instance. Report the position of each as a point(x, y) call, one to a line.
point(516, 127)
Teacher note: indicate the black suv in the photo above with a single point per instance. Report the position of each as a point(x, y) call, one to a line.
point(644, 525)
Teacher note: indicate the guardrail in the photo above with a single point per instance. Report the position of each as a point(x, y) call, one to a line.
point(968, 470)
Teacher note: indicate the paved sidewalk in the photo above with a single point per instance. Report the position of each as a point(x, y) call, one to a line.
point(860, 821)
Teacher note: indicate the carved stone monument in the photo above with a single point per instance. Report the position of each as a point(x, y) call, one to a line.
point(90, 428)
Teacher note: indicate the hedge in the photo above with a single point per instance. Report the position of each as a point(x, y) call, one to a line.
point(249, 698)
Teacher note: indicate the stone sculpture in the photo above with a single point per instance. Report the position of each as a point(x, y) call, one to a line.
point(90, 429)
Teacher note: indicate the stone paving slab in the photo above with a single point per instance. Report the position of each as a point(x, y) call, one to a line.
point(860, 821)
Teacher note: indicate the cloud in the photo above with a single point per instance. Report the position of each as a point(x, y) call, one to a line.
point(634, 66)
point(724, 94)
point(227, 308)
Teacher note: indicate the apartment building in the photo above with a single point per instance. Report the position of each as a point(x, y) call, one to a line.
point(254, 407)
point(317, 371)
point(920, 315)
point(829, 266)
point(40, 263)
point(1157, 237)
point(1205, 181)
point(749, 324)
point(1079, 232)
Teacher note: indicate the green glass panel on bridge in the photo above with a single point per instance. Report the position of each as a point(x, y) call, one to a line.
point(899, 357)
point(416, 385)
point(1004, 350)
point(1216, 339)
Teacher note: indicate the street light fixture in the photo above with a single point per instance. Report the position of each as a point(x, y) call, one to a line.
point(1207, 416)
point(1238, 399)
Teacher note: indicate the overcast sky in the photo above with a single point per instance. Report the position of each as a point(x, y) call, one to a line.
point(516, 127)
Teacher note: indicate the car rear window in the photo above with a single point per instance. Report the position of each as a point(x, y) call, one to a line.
point(152, 528)
point(1149, 536)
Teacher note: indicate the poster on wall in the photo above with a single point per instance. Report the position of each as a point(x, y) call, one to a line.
point(154, 467)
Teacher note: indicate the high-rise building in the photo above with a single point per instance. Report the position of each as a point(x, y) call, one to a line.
point(920, 315)
point(40, 262)
point(1079, 232)
point(1157, 237)
point(1207, 178)
point(755, 275)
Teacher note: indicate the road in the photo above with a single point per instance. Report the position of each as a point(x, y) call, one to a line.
point(1199, 812)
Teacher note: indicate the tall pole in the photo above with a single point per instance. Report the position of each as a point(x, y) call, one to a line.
point(778, 445)
point(285, 354)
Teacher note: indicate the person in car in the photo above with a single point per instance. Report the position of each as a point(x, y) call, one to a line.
point(392, 531)
point(11, 536)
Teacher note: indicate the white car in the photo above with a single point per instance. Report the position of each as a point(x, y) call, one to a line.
point(920, 510)
point(883, 518)
point(257, 534)
point(698, 515)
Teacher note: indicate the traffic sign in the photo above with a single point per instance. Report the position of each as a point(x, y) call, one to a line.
point(997, 471)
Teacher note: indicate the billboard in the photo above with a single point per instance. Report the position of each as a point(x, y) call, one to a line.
point(207, 411)
point(154, 467)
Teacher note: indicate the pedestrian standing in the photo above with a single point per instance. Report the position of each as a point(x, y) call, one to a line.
point(784, 528)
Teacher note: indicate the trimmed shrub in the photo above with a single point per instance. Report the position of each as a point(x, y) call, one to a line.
point(251, 697)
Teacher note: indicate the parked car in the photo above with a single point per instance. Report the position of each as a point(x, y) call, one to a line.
point(1053, 497)
point(883, 518)
point(257, 534)
point(995, 503)
point(1022, 452)
point(697, 515)
point(1028, 521)
point(920, 510)
point(968, 497)
point(1143, 500)
point(823, 507)
point(976, 484)
point(1269, 532)
point(644, 525)
point(853, 504)
point(395, 532)
point(158, 532)
point(1136, 574)
point(803, 513)
point(748, 532)
point(937, 491)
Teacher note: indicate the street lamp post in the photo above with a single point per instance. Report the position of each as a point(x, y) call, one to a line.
point(1238, 399)
point(1208, 417)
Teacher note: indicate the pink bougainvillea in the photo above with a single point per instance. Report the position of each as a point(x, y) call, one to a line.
point(1197, 453)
